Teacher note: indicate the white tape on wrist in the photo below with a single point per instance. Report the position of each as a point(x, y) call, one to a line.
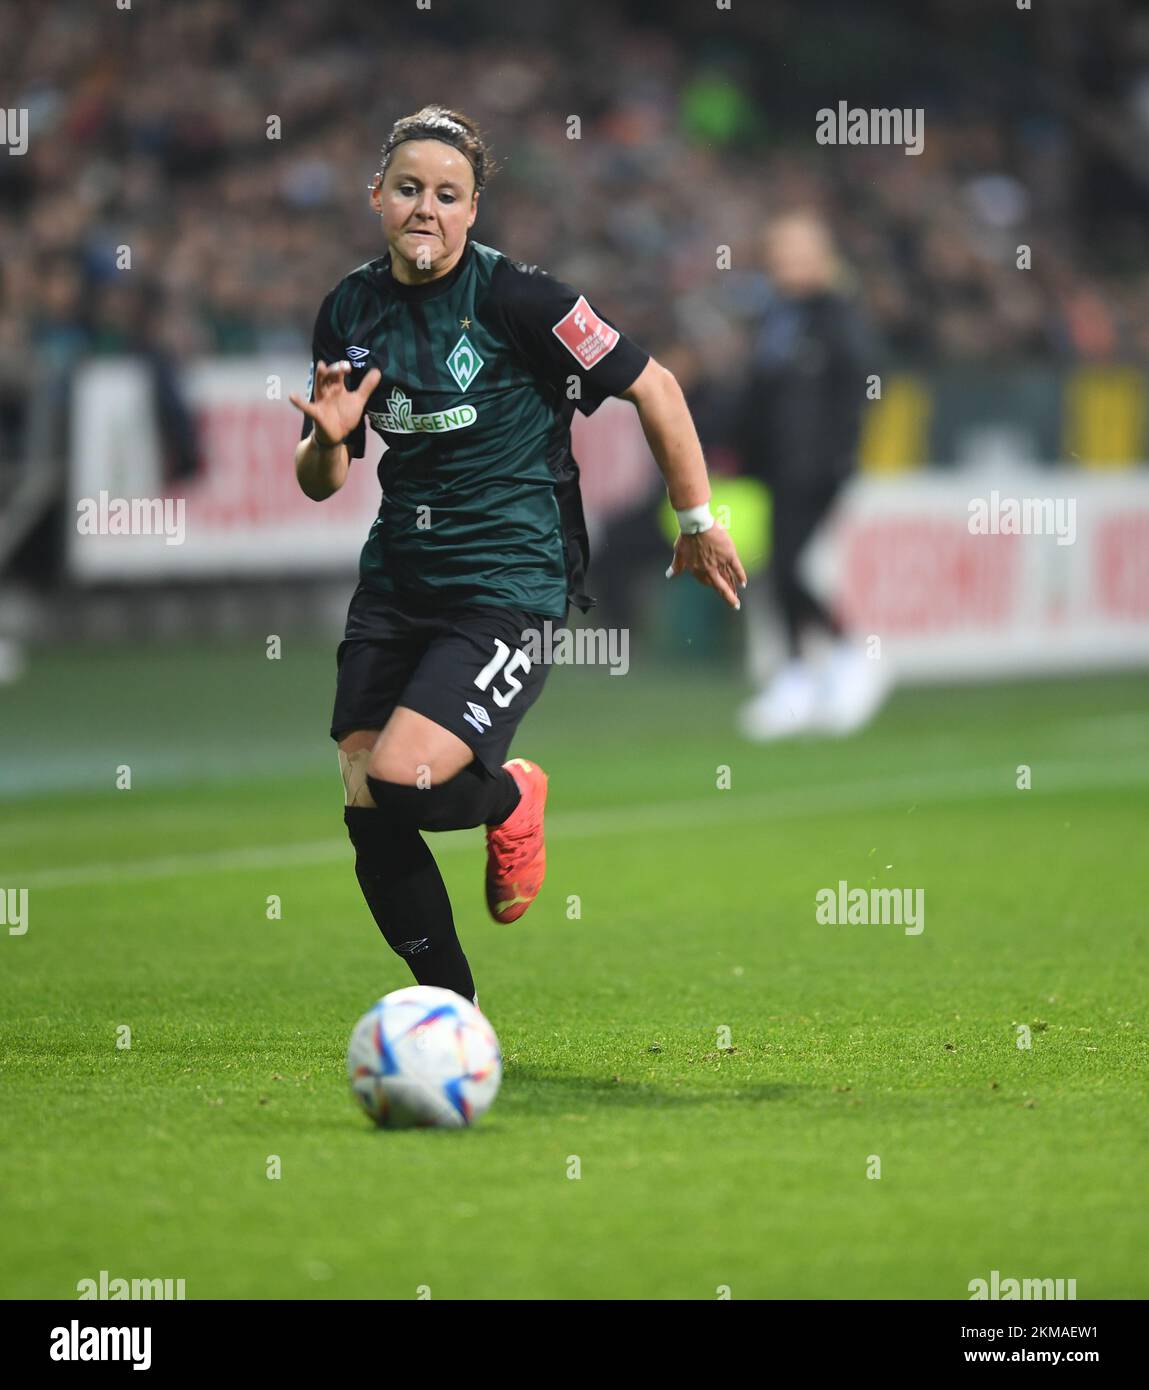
point(693, 520)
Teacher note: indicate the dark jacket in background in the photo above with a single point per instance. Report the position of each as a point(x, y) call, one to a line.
point(799, 415)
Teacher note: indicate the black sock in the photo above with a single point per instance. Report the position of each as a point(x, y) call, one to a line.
point(472, 797)
point(408, 899)
point(505, 796)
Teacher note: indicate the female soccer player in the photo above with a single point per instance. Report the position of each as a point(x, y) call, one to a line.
point(469, 366)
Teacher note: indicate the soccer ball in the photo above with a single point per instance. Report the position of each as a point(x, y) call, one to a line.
point(424, 1057)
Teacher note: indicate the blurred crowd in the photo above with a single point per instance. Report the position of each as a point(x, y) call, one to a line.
point(149, 130)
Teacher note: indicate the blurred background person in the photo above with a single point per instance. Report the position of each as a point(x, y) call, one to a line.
point(798, 424)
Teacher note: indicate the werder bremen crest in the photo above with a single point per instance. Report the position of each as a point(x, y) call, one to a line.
point(401, 418)
point(464, 363)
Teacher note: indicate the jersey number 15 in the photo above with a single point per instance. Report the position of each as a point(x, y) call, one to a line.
point(520, 661)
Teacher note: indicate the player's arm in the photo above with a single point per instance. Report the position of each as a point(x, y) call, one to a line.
point(670, 432)
point(563, 337)
point(709, 555)
point(320, 469)
point(321, 457)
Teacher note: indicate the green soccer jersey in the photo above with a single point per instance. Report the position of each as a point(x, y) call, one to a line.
point(481, 372)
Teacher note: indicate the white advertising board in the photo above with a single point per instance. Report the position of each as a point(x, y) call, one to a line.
point(243, 514)
point(900, 561)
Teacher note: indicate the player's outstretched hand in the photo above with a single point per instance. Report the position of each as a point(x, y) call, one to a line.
point(711, 557)
point(335, 411)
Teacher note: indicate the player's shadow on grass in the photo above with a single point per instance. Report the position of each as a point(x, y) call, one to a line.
point(551, 1092)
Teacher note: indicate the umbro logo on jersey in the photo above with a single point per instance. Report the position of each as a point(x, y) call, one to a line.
point(357, 354)
point(478, 718)
point(584, 335)
point(464, 363)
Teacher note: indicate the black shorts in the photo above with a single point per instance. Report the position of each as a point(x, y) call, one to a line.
point(461, 666)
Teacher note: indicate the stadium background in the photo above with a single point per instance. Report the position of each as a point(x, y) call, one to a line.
point(148, 129)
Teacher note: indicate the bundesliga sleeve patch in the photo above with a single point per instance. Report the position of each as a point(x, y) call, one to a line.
point(584, 335)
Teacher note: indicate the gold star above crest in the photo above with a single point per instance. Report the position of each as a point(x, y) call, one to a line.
point(464, 323)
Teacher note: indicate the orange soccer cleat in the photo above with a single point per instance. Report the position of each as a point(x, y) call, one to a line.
point(516, 850)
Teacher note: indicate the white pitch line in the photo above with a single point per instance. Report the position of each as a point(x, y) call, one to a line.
point(721, 807)
point(196, 862)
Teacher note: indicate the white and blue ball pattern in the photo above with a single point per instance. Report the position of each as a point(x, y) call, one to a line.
point(424, 1057)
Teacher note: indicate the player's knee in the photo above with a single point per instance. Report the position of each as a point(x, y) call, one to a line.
point(419, 769)
point(353, 768)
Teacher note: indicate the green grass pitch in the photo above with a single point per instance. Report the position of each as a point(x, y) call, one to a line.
point(702, 1166)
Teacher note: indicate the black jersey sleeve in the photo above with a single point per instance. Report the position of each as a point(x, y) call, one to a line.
point(327, 346)
point(562, 336)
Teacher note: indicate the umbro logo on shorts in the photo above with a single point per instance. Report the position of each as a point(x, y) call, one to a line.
point(357, 354)
point(478, 718)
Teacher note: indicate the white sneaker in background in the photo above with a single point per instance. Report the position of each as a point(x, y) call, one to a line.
point(853, 688)
point(785, 708)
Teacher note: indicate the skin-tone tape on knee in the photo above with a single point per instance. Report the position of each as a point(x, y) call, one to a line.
point(353, 769)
